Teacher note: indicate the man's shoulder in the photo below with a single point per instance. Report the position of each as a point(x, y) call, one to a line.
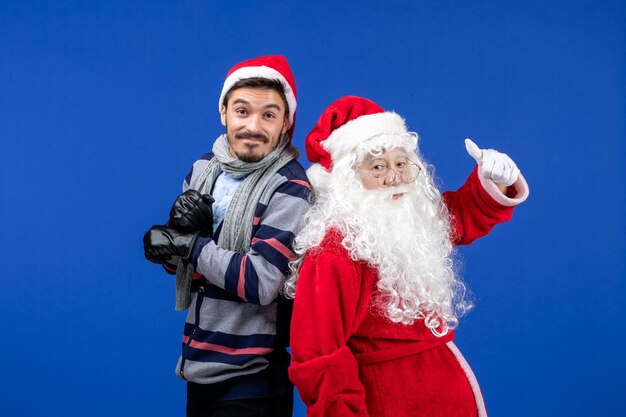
point(198, 166)
point(206, 157)
point(293, 170)
point(203, 160)
point(290, 179)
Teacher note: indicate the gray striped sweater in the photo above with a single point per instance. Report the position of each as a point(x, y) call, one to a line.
point(236, 331)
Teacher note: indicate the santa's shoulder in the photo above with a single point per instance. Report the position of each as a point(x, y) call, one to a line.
point(331, 244)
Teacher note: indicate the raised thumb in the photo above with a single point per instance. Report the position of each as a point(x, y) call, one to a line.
point(474, 151)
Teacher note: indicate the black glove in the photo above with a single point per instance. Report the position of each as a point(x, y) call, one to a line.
point(192, 212)
point(160, 243)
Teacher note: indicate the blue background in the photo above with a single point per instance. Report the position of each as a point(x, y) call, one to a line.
point(105, 104)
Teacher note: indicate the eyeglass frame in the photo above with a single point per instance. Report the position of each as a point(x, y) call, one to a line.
point(381, 178)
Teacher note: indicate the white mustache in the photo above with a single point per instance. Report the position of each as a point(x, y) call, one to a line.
point(387, 193)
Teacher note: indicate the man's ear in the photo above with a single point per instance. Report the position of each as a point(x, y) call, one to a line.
point(223, 115)
point(285, 125)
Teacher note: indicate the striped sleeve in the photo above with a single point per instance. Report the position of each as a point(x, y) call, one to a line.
point(171, 265)
point(257, 276)
point(195, 169)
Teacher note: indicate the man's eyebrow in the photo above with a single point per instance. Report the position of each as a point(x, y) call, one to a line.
point(272, 106)
point(240, 101)
point(267, 106)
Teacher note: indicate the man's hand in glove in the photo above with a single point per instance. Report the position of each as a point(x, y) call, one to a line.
point(192, 212)
point(160, 243)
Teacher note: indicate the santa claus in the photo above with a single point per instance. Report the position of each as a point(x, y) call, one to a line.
point(376, 293)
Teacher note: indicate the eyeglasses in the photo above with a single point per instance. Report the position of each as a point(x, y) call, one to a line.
point(407, 171)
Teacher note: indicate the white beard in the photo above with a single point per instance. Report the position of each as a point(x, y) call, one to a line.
point(406, 240)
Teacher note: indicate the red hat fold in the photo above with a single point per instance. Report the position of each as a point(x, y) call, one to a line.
point(344, 125)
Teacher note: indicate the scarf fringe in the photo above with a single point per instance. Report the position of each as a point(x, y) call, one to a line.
point(184, 276)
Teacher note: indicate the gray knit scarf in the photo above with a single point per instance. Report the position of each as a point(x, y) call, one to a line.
point(236, 232)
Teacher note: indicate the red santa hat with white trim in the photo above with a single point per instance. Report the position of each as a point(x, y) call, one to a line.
point(341, 128)
point(269, 67)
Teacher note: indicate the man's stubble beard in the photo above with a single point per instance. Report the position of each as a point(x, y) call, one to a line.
point(250, 156)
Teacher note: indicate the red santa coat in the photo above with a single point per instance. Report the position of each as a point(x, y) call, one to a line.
point(349, 360)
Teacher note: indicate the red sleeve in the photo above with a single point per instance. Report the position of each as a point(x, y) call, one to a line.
point(473, 211)
point(324, 370)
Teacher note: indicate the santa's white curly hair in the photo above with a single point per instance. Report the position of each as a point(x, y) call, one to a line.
point(406, 240)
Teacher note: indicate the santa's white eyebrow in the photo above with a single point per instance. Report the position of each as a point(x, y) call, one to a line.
point(375, 159)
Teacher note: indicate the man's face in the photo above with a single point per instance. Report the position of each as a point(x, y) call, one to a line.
point(390, 168)
point(254, 119)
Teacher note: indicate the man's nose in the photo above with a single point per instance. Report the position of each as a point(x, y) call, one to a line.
point(254, 123)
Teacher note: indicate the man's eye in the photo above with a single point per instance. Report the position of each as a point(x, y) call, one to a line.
point(240, 111)
point(270, 115)
point(400, 164)
point(378, 168)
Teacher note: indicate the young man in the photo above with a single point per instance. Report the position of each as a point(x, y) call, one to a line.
point(376, 294)
point(229, 240)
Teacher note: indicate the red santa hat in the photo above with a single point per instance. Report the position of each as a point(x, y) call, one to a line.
point(270, 67)
point(346, 124)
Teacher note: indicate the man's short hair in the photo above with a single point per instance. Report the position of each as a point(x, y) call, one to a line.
point(262, 83)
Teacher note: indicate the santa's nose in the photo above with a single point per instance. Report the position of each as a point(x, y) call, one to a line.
point(392, 178)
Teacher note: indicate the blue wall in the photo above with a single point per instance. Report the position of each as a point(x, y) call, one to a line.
point(105, 104)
